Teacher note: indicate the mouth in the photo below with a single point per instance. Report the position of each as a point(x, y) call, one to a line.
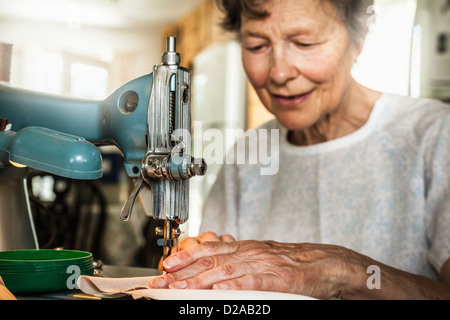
point(292, 101)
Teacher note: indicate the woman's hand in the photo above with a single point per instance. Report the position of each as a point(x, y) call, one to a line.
point(313, 270)
point(194, 241)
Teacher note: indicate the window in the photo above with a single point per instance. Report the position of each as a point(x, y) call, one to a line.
point(385, 62)
point(49, 73)
point(88, 81)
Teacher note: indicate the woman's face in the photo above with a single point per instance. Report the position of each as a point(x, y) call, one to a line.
point(299, 60)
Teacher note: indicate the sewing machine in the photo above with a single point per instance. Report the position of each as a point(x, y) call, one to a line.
point(148, 119)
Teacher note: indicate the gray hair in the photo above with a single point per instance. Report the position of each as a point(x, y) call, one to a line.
point(353, 13)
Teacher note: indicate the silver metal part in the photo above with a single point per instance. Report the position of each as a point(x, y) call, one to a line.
point(173, 168)
point(125, 214)
point(171, 44)
point(169, 242)
point(171, 56)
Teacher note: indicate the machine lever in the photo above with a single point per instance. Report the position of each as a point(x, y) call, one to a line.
point(127, 208)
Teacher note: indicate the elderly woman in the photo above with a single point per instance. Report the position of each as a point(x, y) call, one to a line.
point(360, 206)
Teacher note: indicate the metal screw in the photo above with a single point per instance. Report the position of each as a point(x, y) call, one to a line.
point(159, 231)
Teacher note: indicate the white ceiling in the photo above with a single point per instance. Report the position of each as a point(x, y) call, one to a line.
point(123, 14)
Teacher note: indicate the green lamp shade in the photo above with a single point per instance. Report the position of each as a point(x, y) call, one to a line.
point(56, 152)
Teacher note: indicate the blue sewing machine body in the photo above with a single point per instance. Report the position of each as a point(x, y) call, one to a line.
point(59, 133)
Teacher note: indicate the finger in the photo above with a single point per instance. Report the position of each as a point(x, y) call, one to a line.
point(161, 282)
point(186, 257)
point(187, 243)
point(204, 237)
point(208, 236)
point(250, 281)
point(160, 265)
point(198, 267)
point(207, 279)
point(227, 238)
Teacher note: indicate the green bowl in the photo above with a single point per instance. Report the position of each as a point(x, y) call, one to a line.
point(40, 282)
point(45, 270)
point(31, 269)
point(43, 257)
point(43, 267)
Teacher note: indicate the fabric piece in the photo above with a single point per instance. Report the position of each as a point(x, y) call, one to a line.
point(137, 287)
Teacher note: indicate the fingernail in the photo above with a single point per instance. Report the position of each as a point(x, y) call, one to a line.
point(158, 282)
point(171, 262)
point(178, 285)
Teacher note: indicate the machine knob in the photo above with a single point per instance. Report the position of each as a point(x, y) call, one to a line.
point(199, 166)
point(171, 56)
point(173, 168)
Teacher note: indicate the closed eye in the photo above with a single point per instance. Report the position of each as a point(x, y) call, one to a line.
point(304, 45)
point(256, 48)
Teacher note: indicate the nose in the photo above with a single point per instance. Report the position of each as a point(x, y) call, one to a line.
point(281, 69)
